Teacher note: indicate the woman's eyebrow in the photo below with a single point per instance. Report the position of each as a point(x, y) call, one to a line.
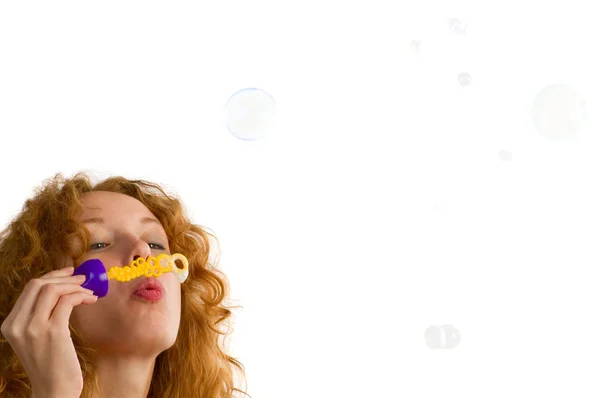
point(143, 220)
point(100, 220)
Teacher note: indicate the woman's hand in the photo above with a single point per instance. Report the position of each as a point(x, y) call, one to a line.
point(37, 329)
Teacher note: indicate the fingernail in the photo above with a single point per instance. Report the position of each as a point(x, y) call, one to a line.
point(80, 277)
point(89, 291)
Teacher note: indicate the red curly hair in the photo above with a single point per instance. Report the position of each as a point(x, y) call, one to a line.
point(41, 233)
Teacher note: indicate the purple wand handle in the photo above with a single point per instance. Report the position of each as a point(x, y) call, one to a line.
point(96, 278)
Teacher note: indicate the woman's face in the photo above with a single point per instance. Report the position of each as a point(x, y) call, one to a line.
point(120, 322)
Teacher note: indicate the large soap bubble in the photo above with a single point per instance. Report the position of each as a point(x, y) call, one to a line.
point(250, 114)
point(505, 155)
point(464, 79)
point(558, 111)
point(442, 337)
point(415, 47)
point(457, 26)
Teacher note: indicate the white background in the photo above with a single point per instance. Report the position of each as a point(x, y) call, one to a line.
point(379, 206)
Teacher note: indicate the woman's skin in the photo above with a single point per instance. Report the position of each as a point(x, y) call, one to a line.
point(130, 333)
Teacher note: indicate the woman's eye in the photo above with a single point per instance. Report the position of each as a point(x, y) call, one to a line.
point(92, 246)
point(159, 246)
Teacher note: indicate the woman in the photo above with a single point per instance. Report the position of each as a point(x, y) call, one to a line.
point(59, 340)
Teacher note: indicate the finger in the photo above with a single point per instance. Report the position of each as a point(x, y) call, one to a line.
point(26, 301)
point(50, 275)
point(77, 279)
point(62, 312)
point(59, 272)
point(48, 298)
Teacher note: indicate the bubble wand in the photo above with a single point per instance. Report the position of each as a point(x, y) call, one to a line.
point(97, 277)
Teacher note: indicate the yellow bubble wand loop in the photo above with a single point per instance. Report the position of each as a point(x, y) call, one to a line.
point(151, 267)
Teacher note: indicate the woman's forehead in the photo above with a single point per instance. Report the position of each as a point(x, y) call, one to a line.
point(98, 203)
point(101, 209)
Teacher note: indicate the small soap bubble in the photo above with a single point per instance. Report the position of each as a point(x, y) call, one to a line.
point(505, 155)
point(250, 114)
point(464, 79)
point(558, 111)
point(415, 47)
point(444, 337)
point(457, 26)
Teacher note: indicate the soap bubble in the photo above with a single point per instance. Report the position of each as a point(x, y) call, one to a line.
point(558, 111)
point(505, 155)
point(442, 337)
point(464, 79)
point(415, 47)
point(457, 26)
point(250, 114)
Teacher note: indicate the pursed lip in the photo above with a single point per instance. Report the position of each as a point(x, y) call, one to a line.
point(149, 283)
